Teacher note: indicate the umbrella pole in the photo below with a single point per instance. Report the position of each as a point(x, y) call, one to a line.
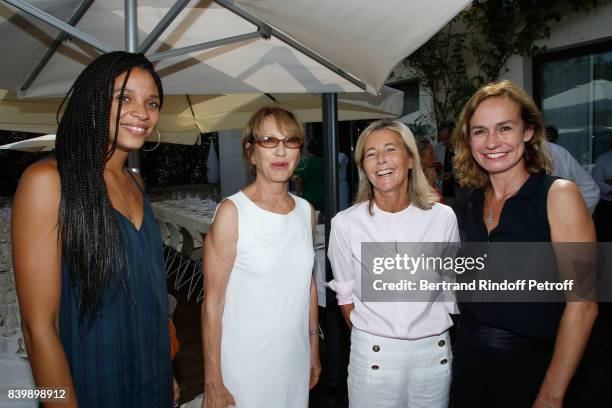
point(334, 353)
point(351, 164)
point(131, 45)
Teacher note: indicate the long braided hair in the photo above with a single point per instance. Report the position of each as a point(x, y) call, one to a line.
point(89, 231)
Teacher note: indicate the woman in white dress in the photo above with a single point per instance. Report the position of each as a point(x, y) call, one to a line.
point(400, 351)
point(259, 315)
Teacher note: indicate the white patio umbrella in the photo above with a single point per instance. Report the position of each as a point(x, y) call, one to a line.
point(223, 112)
point(184, 117)
point(220, 46)
point(225, 46)
point(38, 115)
point(44, 143)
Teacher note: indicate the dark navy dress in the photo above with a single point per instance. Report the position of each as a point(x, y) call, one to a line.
point(124, 359)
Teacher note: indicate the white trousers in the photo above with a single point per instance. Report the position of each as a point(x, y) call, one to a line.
point(393, 373)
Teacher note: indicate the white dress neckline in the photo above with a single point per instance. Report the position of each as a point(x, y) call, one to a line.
point(272, 212)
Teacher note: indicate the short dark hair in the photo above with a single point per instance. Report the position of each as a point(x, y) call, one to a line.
point(422, 143)
point(448, 125)
point(552, 134)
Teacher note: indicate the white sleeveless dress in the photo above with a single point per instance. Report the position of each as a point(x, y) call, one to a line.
point(265, 346)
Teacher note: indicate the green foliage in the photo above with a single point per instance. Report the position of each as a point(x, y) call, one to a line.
point(501, 28)
point(422, 126)
point(491, 31)
point(441, 69)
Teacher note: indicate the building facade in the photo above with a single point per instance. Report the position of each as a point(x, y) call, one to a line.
point(571, 81)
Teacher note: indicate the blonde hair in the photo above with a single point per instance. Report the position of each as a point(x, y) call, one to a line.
point(536, 155)
point(286, 121)
point(420, 192)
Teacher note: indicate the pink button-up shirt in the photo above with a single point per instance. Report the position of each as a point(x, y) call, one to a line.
point(351, 227)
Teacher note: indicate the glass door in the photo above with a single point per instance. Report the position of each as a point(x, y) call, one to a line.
point(575, 95)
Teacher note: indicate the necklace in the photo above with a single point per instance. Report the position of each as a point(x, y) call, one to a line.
point(131, 196)
point(489, 218)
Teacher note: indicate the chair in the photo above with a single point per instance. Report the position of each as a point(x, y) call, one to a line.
point(192, 250)
point(163, 230)
point(175, 246)
point(193, 245)
point(176, 237)
point(172, 302)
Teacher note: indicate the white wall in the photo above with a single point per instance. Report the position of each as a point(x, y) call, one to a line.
point(574, 29)
point(577, 27)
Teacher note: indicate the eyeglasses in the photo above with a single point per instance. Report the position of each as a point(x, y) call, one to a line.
point(270, 142)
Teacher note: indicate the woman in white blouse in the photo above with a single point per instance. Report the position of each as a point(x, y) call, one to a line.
point(400, 351)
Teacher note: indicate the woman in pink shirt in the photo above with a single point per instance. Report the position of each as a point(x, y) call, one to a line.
point(400, 351)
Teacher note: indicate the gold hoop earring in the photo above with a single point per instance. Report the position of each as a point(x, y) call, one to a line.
point(158, 142)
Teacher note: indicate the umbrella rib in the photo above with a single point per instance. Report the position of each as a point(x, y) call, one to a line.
point(203, 46)
point(191, 108)
point(59, 24)
point(174, 11)
point(292, 43)
point(73, 21)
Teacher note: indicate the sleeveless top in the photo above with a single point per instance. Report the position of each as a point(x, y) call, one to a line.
point(123, 360)
point(524, 218)
point(265, 346)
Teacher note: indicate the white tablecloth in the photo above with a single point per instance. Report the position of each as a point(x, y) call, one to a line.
point(181, 218)
point(15, 373)
point(319, 273)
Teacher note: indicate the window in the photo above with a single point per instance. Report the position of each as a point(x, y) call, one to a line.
point(574, 90)
point(410, 89)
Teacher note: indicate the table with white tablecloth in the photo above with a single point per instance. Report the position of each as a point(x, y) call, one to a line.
point(194, 215)
point(319, 273)
point(15, 372)
point(189, 217)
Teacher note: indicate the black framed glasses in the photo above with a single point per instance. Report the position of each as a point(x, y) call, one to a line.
point(270, 142)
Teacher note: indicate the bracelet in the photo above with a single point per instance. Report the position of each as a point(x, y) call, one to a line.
point(316, 332)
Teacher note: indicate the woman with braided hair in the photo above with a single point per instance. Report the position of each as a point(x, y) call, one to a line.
point(87, 252)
